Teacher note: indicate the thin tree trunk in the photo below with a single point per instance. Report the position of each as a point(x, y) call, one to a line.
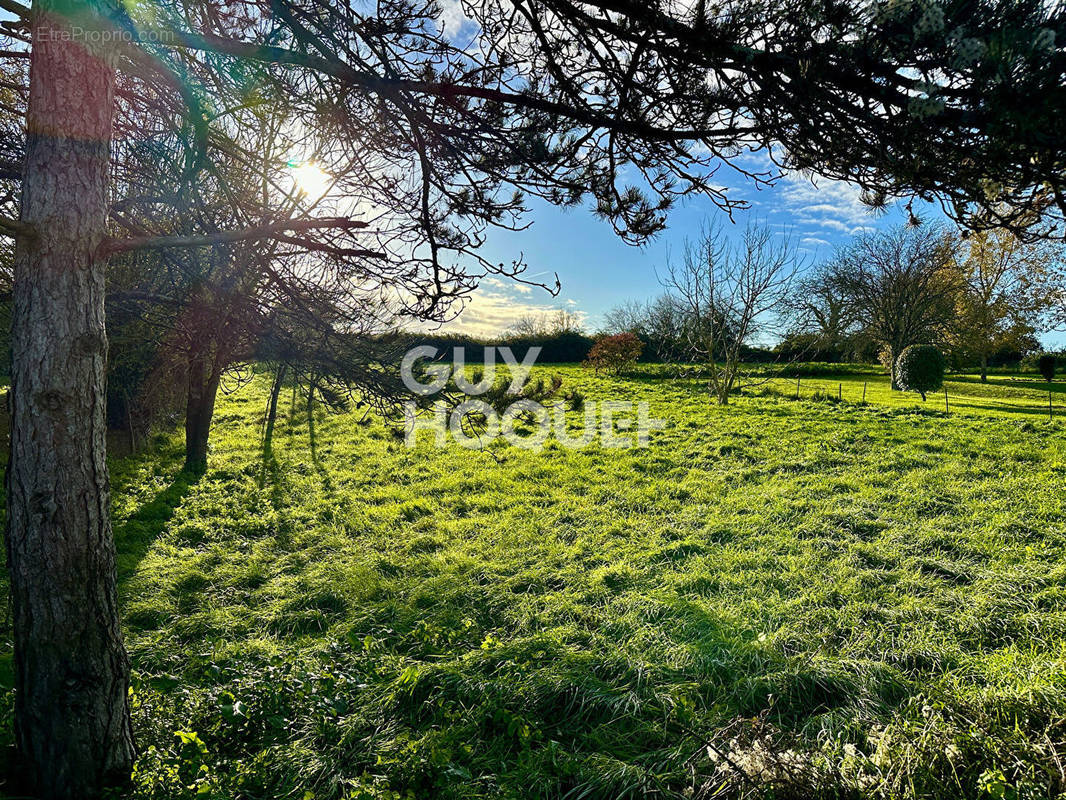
point(893, 354)
point(199, 409)
point(984, 368)
point(312, 387)
point(129, 423)
point(72, 716)
point(272, 407)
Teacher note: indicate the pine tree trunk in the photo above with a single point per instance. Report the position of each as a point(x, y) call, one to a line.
point(204, 378)
point(72, 716)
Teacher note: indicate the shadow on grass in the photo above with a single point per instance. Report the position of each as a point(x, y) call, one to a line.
point(1035, 382)
point(1008, 408)
point(271, 471)
point(316, 461)
point(268, 467)
point(136, 534)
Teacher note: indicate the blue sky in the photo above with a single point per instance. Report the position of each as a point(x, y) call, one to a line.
point(598, 271)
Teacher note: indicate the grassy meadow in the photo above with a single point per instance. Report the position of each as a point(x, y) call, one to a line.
point(776, 598)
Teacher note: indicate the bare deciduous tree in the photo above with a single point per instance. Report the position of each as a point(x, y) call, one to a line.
point(547, 324)
point(659, 322)
point(629, 316)
point(902, 284)
point(730, 292)
point(819, 309)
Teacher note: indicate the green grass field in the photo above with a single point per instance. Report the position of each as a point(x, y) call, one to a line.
point(1002, 395)
point(774, 599)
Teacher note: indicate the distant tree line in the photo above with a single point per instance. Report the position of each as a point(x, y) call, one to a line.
point(560, 335)
point(178, 336)
point(981, 298)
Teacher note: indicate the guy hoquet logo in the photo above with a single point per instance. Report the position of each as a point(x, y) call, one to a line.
point(613, 423)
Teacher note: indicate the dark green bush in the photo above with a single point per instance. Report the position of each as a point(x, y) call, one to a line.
point(920, 368)
point(1046, 364)
point(1031, 363)
point(563, 347)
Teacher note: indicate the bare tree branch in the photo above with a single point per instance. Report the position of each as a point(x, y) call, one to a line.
point(17, 9)
point(369, 81)
point(13, 228)
point(112, 246)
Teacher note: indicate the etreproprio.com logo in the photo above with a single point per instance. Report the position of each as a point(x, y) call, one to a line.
point(614, 423)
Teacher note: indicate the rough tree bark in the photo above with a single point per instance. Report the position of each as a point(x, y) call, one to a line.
point(72, 717)
point(204, 377)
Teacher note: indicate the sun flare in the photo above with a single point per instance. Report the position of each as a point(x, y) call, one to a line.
point(310, 179)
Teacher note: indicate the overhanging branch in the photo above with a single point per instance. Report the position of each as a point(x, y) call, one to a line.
point(13, 228)
point(339, 252)
point(112, 246)
point(377, 84)
point(17, 9)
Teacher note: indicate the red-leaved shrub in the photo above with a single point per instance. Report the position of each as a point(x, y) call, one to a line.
point(614, 353)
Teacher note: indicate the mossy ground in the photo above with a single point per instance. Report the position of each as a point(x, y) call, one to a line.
point(774, 598)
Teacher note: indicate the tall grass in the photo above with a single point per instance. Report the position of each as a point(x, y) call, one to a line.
point(774, 599)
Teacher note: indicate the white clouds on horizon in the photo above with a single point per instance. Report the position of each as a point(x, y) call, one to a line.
point(494, 307)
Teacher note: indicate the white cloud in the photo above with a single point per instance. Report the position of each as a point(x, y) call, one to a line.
point(825, 204)
point(453, 17)
point(497, 305)
point(829, 224)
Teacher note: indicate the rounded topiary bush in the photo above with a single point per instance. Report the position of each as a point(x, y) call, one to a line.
point(1047, 365)
point(920, 368)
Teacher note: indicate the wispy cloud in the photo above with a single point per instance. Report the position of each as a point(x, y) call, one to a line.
point(825, 204)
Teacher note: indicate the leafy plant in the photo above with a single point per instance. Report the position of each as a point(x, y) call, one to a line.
point(615, 353)
point(920, 368)
point(1047, 364)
